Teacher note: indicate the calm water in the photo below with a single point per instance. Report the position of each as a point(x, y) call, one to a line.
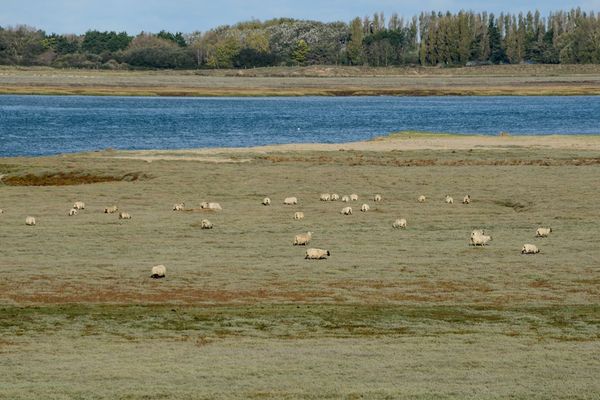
point(40, 125)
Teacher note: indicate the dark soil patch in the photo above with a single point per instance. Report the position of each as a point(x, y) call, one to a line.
point(69, 178)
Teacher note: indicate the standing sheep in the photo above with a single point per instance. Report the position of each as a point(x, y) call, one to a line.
point(30, 221)
point(79, 205)
point(158, 272)
point(345, 199)
point(449, 200)
point(290, 201)
point(316, 254)
point(530, 249)
point(302, 239)
point(346, 211)
point(179, 207)
point(467, 199)
point(422, 199)
point(206, 224)
point(124, 215)
point(335, 197)
point(211, 206)
point(325, 197)
point(399, 223)
point(377, 198)
point(298, 215)
point(365, 208)
point(479, 238)
point(543, 232)
point(354, 197)
point(72, 212)
point(266, 201)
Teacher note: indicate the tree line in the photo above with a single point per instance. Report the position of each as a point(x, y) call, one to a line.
point(429, 39)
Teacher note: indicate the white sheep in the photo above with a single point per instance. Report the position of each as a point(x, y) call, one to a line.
point(124, 215)
point(479, 238)
point(72, 212)
point(298, 215)
point(354, 197)
point(422, 199)
point(302, 239)
point(345, 199)
point(158, 271)
point(179, 207)
point(206, 224)
point(543, 232)
point(346, 211)
point(266, 201)
point(365, 208)
point(449, 200)
point(530, 249)
point(377, 198)
point(290, 201)
point(467, 199)
point(317, 254)
point(30, 221)
point(211, 206)
point(325, 197)
point(399, 223)
point(79, 205)
point(110, 210)
point(335, 197)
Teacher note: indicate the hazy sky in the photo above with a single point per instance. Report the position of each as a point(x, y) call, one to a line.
point(133, 16)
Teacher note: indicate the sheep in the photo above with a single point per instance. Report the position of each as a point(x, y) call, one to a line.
point(72, 212)
point(479, 238)
point(30, 221)
point(317, 254)
point(422, 199)
point(206, 224)
point(79, 205)
point(1, 211)
point(302, 239)
point(211, 206)
point(377, 198)
point(325, 197)
point(345, 199)
point(179, 207)
point(335, 197)
point(298, 215)
point(346, 211)
point(467, 199)
point(124, 215)
point(290, 201)
point(266, 201)
point(529, 249)
point(354, 197)
point(158, 272)
point(110, 210)
point(365, 208)
point(543, 232)
point(399, 223)
point(449, 200)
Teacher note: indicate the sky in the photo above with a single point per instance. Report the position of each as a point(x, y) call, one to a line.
point(134, 16)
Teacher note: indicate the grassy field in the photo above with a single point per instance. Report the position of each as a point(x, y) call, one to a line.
point(316, 81)
point(413, 313)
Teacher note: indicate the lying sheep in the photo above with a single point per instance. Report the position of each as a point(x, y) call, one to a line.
point(110, 210)
point(211, 206)
point(72, 212)
point(345, 199)
point(302, 239)
point(316, 254)
point(79, 205)
point(543, 232)
point(467, 199)
point(124, 215)
point(354, 197)
point(325, 197)
point(30, 221)
point(479, 238)
point(266, 201)
point(365, 208)
point(399, 223)
point(422, 199)
point(335, 197)
point(377, 198)
point(206, 224)
point(530, 249)
point(158, 272)
point(289, 201)
point(346, 211)
point(179, 207)
point(449, 200)
point(298, 215)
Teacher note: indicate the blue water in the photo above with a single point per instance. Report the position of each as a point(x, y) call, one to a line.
point(43, 125)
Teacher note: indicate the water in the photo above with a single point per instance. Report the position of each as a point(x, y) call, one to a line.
point(43, 125)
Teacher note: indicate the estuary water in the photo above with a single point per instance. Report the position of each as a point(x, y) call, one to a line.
point(45, 125)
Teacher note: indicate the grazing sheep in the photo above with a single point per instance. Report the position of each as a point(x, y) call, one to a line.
point(110, 210)
point(211, 206)
point(479, 238)
point(79, 205)
point(530, 249)
point(399, 223)
point(345, 199)
point(335, 197)
point(422, 199)
point(179, 207)
point(266, 201)
point(124, 215)
point(543, 232)
point(346, 211)
point(72, 212)
point(302, 239)
point(365, 208)
point(467, 199)
point(30, 221)
point(377, 198)
point(290, 201)
point(325, 197)
point(206, 224)
point(449, 200)
point(298, 215)
point(317, 254)
point(354, 197)
point(158, 271)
